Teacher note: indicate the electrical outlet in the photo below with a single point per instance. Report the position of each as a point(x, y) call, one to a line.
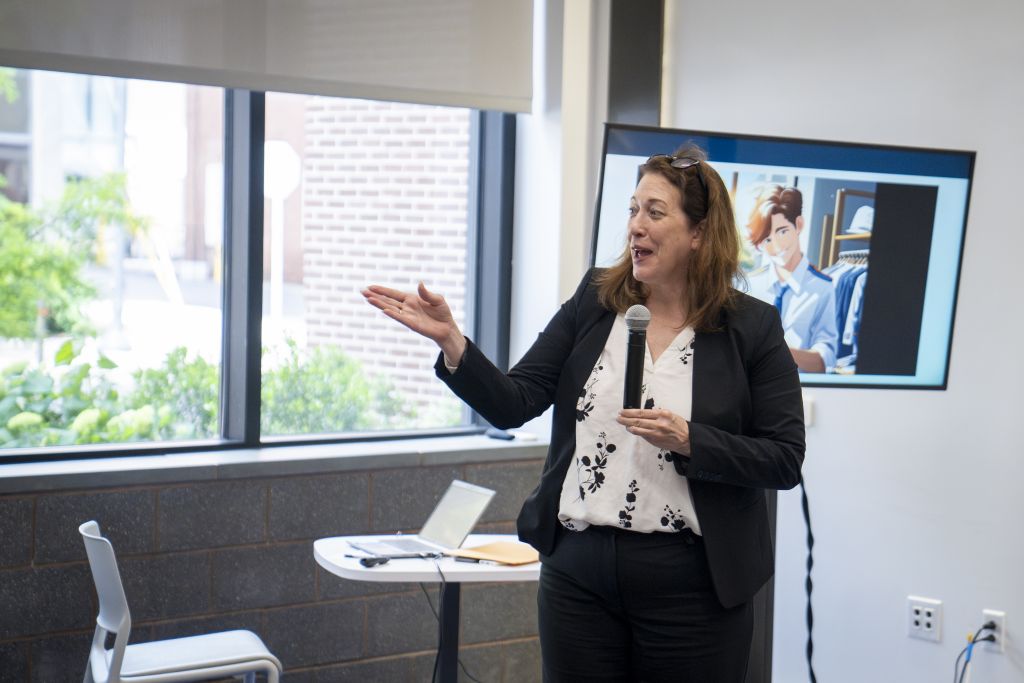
point(999, 645)
point(924, 618)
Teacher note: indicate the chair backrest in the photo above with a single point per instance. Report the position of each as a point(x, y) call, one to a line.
point(114, 616)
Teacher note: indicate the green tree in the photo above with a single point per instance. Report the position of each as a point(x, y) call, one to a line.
point(43, 253)
point(8, 85)
point(37, 279)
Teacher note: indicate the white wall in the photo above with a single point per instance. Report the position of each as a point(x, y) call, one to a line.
point(558, 148)
point(537, 207)
point(911, 491)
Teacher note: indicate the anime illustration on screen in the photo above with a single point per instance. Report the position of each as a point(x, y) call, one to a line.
point(814, 219)
point(811, 265)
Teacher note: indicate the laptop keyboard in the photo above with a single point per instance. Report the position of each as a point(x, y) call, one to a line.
point(410, 545)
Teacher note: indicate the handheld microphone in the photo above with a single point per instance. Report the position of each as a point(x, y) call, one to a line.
point(637, 320)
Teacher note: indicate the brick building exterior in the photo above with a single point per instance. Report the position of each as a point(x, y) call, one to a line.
point(384, 200)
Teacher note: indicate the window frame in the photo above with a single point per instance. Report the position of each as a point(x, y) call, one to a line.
point(488, 285)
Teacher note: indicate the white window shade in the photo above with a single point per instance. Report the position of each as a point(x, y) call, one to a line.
point(469, 53)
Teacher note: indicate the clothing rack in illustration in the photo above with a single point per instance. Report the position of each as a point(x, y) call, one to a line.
point(832, 225)
point(856, 257)
point(849, 277)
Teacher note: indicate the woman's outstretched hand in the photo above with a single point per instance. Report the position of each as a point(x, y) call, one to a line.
point(425, 313)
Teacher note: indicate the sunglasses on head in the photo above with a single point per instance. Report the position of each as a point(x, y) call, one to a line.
point(683, 163)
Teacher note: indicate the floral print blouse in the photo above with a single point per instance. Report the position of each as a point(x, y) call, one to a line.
point(617, 478)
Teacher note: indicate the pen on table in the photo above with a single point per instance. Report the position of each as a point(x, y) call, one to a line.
point(413, 556)
point(475, 560)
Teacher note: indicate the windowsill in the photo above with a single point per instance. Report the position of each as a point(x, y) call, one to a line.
point(262, 462)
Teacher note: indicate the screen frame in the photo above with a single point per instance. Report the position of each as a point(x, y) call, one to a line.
point(969, 157)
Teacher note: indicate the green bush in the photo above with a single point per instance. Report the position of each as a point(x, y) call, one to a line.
point(307, 392)
point(65, 408)
point(323, 390)
point(181, 395)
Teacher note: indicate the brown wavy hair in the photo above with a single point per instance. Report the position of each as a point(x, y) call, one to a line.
point(713, 267)
point(776, 199)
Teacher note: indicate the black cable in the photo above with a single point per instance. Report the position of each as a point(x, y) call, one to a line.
point(437, 655)
point(429, 602)
point(956, 665)
point(463, 667)
point(808, 584)
point(967, 662)
point(972, 640)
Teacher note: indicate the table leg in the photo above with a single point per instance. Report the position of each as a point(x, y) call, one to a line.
point(449, 645)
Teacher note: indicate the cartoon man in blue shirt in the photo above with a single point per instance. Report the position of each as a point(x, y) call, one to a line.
point(804, 296)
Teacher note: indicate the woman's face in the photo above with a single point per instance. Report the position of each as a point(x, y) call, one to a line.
point(783, 243)
point(661, 237)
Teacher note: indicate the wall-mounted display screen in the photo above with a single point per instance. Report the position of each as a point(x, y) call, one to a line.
point(859, 246)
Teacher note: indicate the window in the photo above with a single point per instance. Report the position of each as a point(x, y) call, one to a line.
point(358, 192)
point(110, 308)
point(121, 328)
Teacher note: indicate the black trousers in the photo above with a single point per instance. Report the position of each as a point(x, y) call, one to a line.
point(616, 605)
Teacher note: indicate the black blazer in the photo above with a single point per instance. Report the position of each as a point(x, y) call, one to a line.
point(746, 431)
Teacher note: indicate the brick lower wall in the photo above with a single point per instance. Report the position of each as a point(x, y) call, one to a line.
point(207, 556)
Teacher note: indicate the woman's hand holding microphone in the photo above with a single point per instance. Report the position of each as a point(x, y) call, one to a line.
point(659, 427)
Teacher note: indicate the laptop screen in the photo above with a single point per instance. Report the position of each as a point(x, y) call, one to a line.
point(456, 513)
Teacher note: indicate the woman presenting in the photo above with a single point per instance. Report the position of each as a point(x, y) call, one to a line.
point(651, 523)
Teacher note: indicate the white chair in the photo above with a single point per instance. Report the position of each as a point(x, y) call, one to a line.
point(195, 658)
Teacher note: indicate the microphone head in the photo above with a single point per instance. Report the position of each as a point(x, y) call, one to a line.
point(638, 318)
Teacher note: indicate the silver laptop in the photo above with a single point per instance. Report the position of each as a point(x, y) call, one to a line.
point(447, 527)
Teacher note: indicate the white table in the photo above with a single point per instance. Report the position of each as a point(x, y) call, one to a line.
point(330, 554)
